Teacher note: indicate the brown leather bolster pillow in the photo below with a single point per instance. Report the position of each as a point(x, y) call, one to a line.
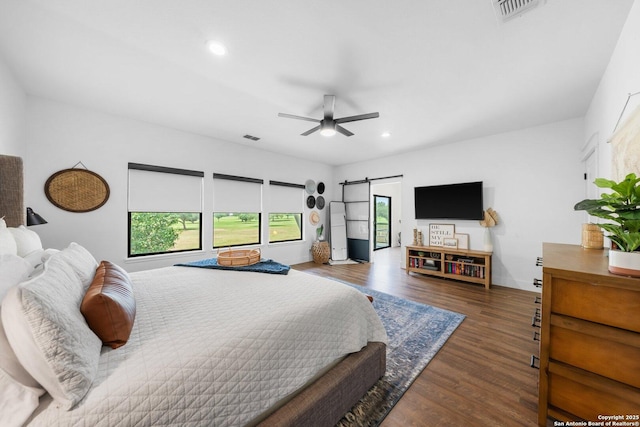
point(109, 306)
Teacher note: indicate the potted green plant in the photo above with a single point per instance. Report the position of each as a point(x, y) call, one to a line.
point(319, 234)
point(622, 208)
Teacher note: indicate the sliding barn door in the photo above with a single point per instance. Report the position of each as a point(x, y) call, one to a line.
point(356, 200)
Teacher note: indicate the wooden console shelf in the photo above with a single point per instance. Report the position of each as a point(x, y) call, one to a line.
point(458, 264)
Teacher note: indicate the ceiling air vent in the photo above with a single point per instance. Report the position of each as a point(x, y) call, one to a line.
point(509, 9)
point(251, 137)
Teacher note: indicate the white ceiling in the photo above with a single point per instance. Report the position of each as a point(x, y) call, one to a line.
point(437, 71)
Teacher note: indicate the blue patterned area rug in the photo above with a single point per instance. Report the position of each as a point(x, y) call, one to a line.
point(416, 332)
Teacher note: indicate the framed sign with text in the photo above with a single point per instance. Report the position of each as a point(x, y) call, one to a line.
point(439, 232)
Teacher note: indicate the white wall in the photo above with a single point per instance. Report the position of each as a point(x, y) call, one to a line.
point(59, 136)
point(532, 178)
point(621, 78)
point(12, 113)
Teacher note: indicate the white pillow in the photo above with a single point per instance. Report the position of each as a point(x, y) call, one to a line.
point(13, 270)
point(10, 365)
point(34, 258)
point(81, 261)
point(27, 241)
point(17, 402)
point(19, 391)
point(7, 241)
point(45, 328)
point(37, 260)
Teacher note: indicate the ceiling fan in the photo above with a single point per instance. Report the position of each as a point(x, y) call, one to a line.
point(329, 126)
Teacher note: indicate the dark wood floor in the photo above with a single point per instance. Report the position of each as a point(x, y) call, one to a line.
point(481, 377)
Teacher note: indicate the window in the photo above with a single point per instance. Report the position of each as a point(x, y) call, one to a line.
point(165, 210)
point(237, 207)
point(285, 213)
point(284, 227)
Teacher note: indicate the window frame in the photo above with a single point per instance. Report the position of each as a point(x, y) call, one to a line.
point(243, 179)
point(167, 170)
point(213, 231)
point(287, 240)
point(273, 212)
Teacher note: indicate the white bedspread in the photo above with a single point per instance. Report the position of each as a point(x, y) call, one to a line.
point(219, 348)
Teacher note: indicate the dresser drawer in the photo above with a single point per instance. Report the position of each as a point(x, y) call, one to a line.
point(596, 303)
point(610, 352)
point(587, 395)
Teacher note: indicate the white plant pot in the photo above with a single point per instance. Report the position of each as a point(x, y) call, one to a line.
point(624, 263)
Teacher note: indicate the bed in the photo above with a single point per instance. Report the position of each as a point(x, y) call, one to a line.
point(192, 346)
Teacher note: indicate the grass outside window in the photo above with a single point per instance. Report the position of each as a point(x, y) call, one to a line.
point(285, 227)
point(236, 229)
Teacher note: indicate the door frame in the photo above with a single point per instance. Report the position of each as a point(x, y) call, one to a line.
point(375, 222)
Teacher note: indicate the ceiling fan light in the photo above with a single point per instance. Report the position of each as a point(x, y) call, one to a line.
point(217, 48)
point(328, 131)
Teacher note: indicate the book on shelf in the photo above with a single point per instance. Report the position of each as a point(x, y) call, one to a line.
point(465, 270)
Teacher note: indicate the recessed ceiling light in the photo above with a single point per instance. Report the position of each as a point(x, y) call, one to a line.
point(385, 134)
point(217, 48)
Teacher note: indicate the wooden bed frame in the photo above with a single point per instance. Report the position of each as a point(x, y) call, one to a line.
point(322, 403)
point(326, 400)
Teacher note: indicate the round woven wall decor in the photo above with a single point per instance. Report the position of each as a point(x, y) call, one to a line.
point(77, 190)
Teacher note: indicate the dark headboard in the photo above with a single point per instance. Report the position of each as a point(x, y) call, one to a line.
point(12, 191)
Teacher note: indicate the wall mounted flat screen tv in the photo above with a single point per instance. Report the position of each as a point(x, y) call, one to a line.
point(452, 201)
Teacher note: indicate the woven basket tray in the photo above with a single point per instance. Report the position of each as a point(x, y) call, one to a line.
point(238, 257)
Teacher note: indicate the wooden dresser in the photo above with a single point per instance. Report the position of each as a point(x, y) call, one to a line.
point(589, 338)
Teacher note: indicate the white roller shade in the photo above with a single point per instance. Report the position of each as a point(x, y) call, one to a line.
point(231, 195)
point(158, 191)
point(286, 199)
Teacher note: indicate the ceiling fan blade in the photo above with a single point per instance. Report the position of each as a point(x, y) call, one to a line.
point(329, 106)
point(358, 117)
point(310, 131)
point(291, 116)
point(343, 131)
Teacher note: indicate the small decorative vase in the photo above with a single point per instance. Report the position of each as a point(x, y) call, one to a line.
point(488, 243)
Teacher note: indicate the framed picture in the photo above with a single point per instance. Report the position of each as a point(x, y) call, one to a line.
point(439, 232)
point(450, 242)
point(463, 240)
